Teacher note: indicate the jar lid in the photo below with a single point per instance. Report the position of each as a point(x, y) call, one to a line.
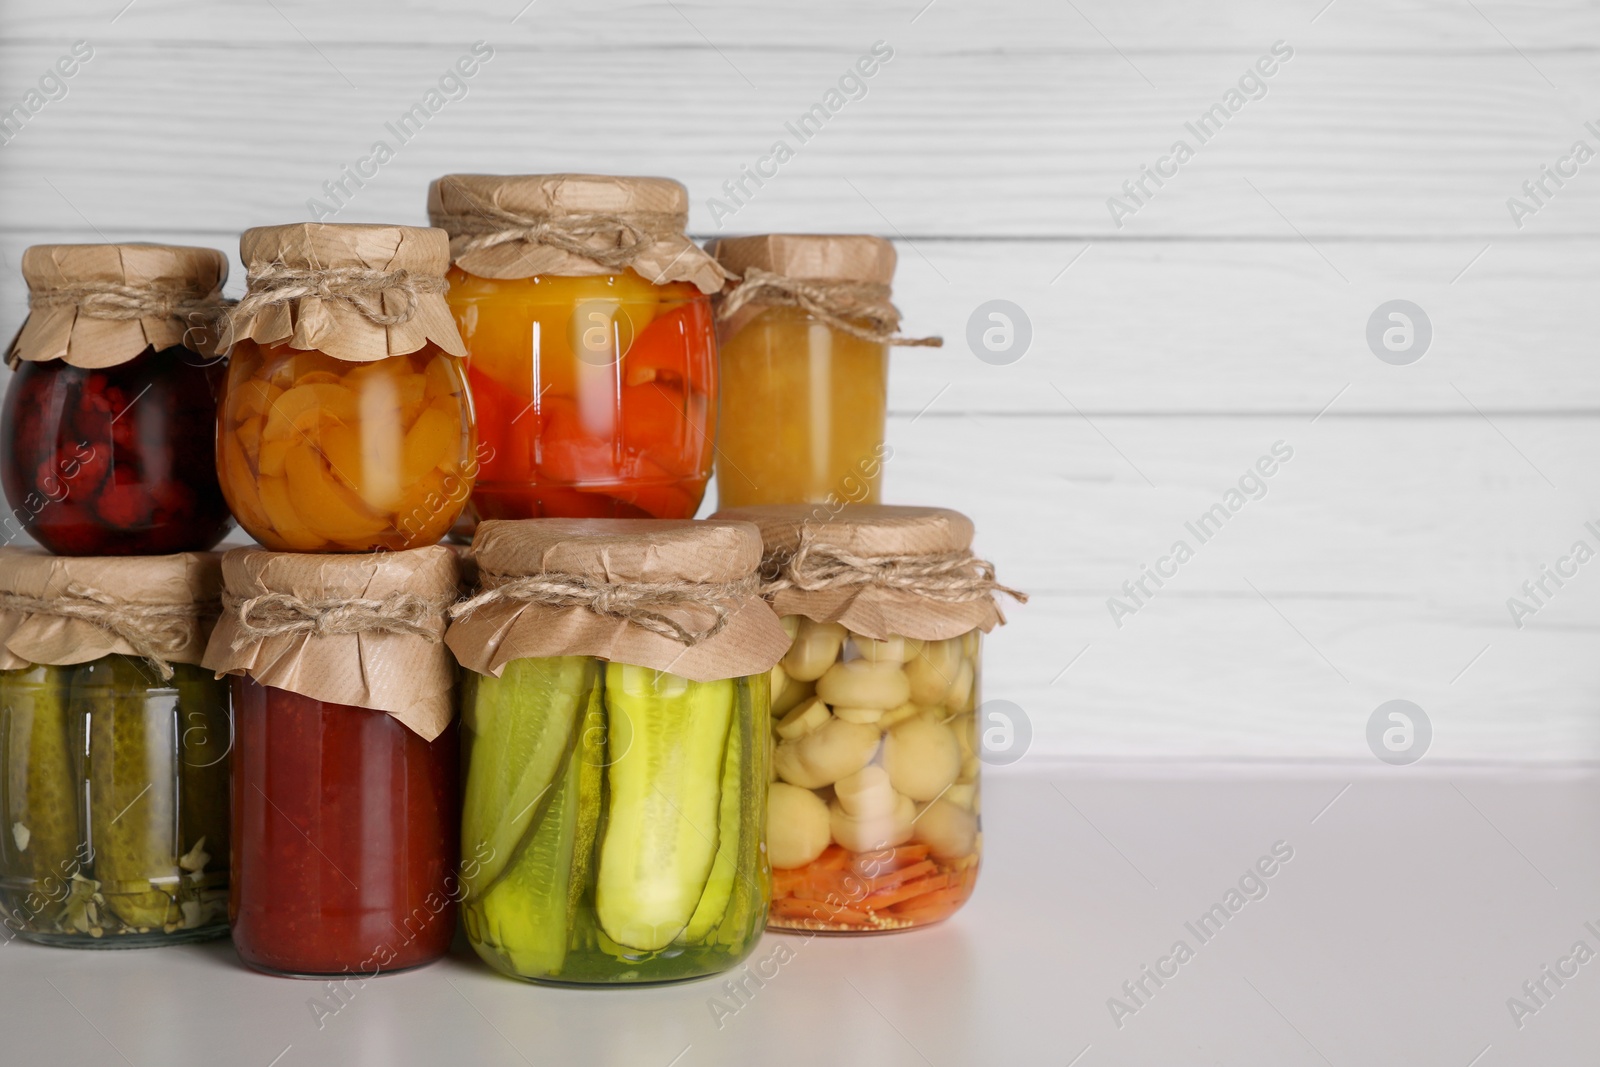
point(521, 225)
point(673, 595)
point(100, 305)
point(62, 610)
point(363, 630)
point(829, 257)
point(880, 570)
point(356, 292)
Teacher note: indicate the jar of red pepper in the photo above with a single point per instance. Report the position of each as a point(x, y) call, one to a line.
point(345, 807)
point(114, 384)
point(591, 353)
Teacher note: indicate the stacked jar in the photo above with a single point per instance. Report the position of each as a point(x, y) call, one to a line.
point(346, 446)
point(616, 719)
point(805, 338)
point(874, 821)
point(587, 320)
point(113, 742)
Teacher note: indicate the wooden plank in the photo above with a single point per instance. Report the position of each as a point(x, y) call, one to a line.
point(750, 25)
point(1343, 144)
point(1199, 326)
point(1226, 679)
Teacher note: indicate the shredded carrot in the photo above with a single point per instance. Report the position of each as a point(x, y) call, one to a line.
point(930, 907)
point(894, 878)
point(906, 891)
point(833, 858)
point(796, 908)
point(880, 860)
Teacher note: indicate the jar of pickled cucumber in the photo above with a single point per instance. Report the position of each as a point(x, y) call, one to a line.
point(874, 818)
point(805, 339)
point(345, 764)
point(113, 383)
point(591, 354)
point(113, 749)
point(616, 718)
point(345, 424)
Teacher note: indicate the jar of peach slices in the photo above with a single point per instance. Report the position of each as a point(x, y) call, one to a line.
point(873, 812)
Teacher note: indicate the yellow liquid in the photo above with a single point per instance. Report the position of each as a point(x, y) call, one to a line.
point(802, 413)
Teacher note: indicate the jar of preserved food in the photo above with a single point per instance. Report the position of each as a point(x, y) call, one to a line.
point(591, 351)
point(805, 339)
point(114, 745)
point(346, 425)
point(873, 820)
point(616, 760)
point(114, 382)
point(345, 764)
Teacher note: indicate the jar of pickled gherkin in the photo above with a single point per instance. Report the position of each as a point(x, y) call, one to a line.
point(345, 810)
point(805, 339)
point(587, 321)
point(345, 424)
point(113, 751)
point(615, 716)
point(874, 809)
point(113, 384)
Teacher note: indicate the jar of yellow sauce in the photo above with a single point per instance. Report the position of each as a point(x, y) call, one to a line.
point(804, 340)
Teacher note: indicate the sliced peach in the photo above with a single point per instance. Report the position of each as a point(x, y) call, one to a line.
point(433, 441)
point(302, 407)
point(372, 478)
point(251, 399)
point(284, 530)
point(249, 434)
point(318, 377)
point(324, 506)
point(442, 377)
point(239, 481)
point(269, 460)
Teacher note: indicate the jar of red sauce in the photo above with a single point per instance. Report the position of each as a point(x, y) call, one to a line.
point(591, 351)
point(114, 384)
point(346, 810)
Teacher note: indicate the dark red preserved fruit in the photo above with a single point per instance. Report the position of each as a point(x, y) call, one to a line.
point(344, 843)
point(115, 461)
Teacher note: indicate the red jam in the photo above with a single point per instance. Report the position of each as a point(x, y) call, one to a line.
point(344, 844)
point(116, 461)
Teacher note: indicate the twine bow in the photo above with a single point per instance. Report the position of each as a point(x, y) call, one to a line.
point(276, 614)
point(365, 290)
point(152, 631)
point(835, 303)
point(948, 577)
point(644, 604)
point(612, 241)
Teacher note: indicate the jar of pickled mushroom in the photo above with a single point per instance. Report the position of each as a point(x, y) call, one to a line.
point(587, 321)
point(113, 383)
point(346, 424)
point(345, 764)
point(805, 339)
point(616, 718)
point(113, 750)
point(874, 810)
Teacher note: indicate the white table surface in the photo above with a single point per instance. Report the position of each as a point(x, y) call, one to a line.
point(1417, 901)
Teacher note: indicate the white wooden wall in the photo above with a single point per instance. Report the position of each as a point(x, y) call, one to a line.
point(1168, 354)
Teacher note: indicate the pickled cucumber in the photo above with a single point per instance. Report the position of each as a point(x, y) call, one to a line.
point(668, 737)
point(132, 791)
point(719, 889)
point(42, 795)
point(204, 741)
point(522, 729)
point(525, 911)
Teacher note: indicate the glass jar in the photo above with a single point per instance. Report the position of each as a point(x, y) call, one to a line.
point(594, 395)
point(321, 455)
point(873, 820)
point(101, 416)
point(613, 820)
point(115, 804)
point(344, 837)
point(594, 379)
point(803, 402)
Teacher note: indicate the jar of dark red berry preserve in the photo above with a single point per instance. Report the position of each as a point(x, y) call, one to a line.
point(111, 409)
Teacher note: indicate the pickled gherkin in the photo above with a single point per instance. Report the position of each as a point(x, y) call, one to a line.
point(115, 803)
point(642, 862)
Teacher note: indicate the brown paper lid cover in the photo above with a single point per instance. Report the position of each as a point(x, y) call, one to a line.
point(27, 637)
point(74, 334)
point(619, 551)
point(872, 530)
point(333, 326)
point(824, 257)
point(408, 676)
point(487, 201)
